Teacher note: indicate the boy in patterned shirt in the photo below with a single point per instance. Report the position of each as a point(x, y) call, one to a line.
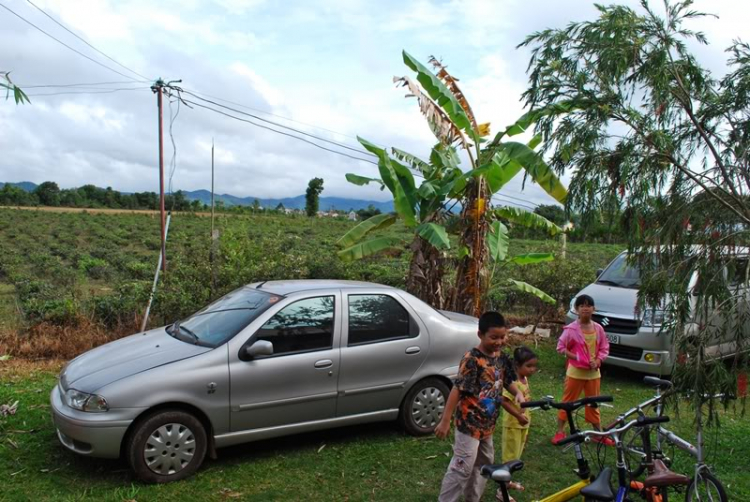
point(476, 398)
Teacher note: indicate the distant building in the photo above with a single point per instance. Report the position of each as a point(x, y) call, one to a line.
point(352, 216)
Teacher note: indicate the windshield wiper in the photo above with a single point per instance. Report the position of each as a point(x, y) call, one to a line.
point(611, 283)
point(177, 328)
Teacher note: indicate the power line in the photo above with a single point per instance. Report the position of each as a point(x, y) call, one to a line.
point(109, 91)
point(357, 150)
point(84, 41)
point(522, 203)
point(199, 93)
point(85, 84)
point(512, 202)
point(278, 132)
point(63, 43)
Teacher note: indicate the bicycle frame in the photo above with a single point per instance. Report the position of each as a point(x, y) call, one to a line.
point(583, 472)
point(566, 494)
point(663, 434)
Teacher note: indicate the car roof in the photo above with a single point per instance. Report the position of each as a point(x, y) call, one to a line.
point(287, 287)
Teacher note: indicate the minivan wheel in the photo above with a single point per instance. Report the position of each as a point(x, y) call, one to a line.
point(423, 406)
point(166, 446)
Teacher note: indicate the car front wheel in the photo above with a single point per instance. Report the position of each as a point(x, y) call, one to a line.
point(423, 406)
point(166, 446)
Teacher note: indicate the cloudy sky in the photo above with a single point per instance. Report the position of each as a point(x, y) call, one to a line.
point(322, 67)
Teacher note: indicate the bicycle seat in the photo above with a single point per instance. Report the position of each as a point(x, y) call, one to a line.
point(501, 472)
point(662, 476)
point(601, 488)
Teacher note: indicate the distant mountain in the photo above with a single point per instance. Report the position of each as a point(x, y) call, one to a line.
point(24, 185)
point(298, 202)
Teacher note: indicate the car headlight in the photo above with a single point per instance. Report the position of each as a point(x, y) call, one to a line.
point(85, 402)
point(654, 317)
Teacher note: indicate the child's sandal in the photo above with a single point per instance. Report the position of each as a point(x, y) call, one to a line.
point(499, 497)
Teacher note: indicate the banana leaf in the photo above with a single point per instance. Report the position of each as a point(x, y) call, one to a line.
point(369, 248)
point(531, 258)
point(434, 234)
point(528, 288)
point(527, 219)
point(371, 224)
point(498, 241)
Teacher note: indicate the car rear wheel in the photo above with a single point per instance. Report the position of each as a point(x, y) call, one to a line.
point(423, 406)
point(166, 446)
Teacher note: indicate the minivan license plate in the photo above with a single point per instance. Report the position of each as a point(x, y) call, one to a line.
point(613, 338)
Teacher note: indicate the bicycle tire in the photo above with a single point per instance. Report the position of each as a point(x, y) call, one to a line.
point(710, 479)
point(635, 451)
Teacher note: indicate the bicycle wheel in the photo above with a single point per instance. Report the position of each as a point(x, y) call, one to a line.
point(635, 453)
point(708, 489)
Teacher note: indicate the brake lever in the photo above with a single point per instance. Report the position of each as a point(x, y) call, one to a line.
point(606, 405)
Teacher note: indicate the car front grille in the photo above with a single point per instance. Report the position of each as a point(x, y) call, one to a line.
point(617, 324)
point(625, 352)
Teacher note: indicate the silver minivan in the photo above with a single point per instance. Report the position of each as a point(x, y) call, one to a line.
point(637, 342)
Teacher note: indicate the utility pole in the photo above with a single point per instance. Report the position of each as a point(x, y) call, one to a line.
point(212, 187)
point(157, 88)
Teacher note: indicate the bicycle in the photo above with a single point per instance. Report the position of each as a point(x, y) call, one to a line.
point(703, 485)
point(502, 473)
point(654, 487)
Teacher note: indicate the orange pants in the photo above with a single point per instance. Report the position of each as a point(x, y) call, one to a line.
point(572, 391)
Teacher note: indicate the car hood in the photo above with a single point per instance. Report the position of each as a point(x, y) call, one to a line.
point(113, 361)
point(611, 300)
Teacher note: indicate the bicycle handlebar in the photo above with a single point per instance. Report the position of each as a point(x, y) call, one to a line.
point(644, 421)
point(536, 404)
point(567, 406)
point(639, 422)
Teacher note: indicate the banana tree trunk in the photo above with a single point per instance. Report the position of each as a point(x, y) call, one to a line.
point(426, 272)
point(471, 274)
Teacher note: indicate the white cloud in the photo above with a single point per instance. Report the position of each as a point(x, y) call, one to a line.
point(326, 63)
point(269, 92)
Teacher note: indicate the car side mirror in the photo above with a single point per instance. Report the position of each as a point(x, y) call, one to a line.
point(599, 272)
point(259, 348)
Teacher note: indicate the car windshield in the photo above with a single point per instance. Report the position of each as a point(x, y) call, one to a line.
point(620, 274)
point(224, 318)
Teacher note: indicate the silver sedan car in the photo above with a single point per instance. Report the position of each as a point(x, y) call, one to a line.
point(269, 359)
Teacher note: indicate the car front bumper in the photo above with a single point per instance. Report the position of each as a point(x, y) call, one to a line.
point(92, 434)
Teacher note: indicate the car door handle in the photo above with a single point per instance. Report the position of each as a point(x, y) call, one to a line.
point(325, 363)
point(413, 350)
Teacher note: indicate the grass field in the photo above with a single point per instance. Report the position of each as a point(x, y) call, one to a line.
point(88, 274)
point(72, 280)
point(373, 462)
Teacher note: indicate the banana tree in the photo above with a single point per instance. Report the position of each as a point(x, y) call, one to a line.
point(422, 208)
point(492, 165)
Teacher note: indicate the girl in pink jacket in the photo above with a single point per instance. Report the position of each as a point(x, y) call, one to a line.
point(585, 347)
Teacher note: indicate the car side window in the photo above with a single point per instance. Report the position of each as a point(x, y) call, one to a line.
point(378, 318)
point(303, 326)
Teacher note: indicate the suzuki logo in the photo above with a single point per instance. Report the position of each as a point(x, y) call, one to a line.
point(604, 321)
